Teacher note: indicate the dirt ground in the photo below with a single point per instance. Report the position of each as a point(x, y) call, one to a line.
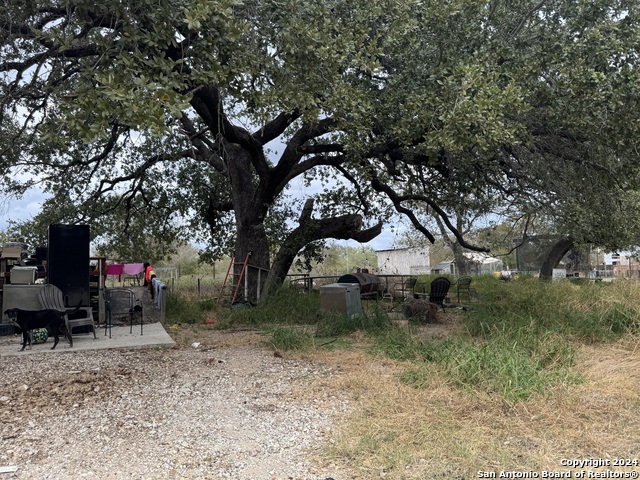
point(227, 408)
point(233, 407)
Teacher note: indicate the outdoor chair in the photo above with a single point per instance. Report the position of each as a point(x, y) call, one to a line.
point(122, 302)
point(405, 289)
point(464, 289)
point(438, 291)
point(52, 298)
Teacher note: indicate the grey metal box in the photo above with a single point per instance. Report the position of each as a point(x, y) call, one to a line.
point(341, 298)
point(23, 275)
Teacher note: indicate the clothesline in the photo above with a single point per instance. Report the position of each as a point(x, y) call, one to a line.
point(118, 269)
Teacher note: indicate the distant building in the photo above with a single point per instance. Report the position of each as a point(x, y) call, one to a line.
point(446, 267)
point(404, 261)
point(476, 264)
point(622, 265)
point(479, 263)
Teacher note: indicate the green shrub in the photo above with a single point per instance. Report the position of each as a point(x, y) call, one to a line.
point(291, 339)
point(335, 325)
point(183, 310)
point(286, 306)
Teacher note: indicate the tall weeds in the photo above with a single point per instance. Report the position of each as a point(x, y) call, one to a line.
point(588, 312)
point(286, 306)
point(288, 309)
point(183, 310)
point(523, 336)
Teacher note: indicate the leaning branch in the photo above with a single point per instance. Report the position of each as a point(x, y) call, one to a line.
point(397, 201)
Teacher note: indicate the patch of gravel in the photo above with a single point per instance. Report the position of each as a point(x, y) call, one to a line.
point(221, 413)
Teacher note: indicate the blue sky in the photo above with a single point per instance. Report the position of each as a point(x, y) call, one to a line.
point(20, 209)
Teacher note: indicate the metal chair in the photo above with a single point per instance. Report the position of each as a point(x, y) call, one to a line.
point(122, 302)
point(52, 298)
point(463, 288)
point(405, 289)
point(439, 290)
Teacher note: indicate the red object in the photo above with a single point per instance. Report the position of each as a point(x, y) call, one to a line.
point(115, 269)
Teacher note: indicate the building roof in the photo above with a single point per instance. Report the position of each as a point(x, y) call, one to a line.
point(401, 249)
point(443, 265)
point(479, 257)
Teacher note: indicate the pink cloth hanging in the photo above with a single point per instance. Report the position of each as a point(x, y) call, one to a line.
point(133, 268)
point(115, 269)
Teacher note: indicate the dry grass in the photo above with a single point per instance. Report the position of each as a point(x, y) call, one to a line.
point(208, 337)
point(397, 432)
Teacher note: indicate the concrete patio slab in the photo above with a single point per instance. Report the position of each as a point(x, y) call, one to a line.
point(154, 335)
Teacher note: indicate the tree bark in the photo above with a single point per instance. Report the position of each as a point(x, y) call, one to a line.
point(250, 210)
point(458, 258)
point(559, 250)
point(343, 227)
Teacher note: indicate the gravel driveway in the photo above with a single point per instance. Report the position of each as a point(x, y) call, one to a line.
point(208, 413)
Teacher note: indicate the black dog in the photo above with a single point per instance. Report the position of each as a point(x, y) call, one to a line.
point(27, 320)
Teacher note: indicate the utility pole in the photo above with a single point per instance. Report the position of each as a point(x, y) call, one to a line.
point(346, 248)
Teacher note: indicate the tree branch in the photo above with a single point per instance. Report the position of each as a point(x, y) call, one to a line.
point(275, 127)
point(397, 203)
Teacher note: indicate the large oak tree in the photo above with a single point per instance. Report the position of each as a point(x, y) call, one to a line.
point(192, 118)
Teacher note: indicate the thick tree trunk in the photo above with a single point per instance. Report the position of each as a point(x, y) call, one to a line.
point(554, 257)
point(254, 186)
point(459, 259)
point(251, 246)
point(344, 227)
point(251, 239)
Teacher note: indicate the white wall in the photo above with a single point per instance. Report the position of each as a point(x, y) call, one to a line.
point(404, 261)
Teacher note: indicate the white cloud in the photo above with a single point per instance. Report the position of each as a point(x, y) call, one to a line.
point(21, 209)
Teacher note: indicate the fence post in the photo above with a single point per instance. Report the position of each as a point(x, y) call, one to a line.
point(163, 303)
point(246, 284)
point(258, 287)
